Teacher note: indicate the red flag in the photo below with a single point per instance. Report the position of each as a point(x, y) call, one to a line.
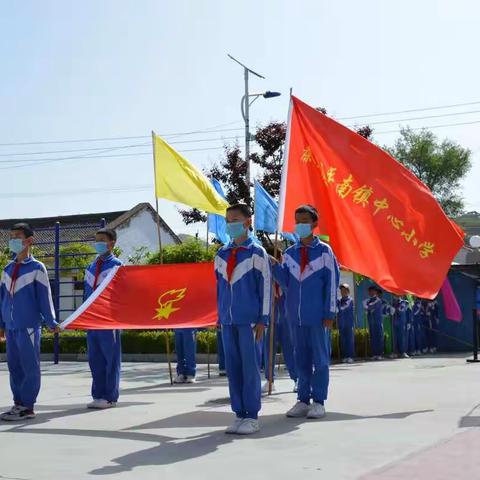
point(382, 221)
point(151, 296)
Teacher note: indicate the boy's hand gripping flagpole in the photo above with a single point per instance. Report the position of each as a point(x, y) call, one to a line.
point(271, 353)
point(159, 230)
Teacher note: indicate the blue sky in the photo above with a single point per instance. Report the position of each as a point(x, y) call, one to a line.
point(118, 68)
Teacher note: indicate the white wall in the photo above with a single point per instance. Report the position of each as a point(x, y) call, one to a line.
point(140, 231)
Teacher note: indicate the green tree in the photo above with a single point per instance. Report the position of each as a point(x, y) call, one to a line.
point(441, 166)
point(191, 251)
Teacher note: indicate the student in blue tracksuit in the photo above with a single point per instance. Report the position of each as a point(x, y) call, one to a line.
point(222, 372)
point(400, 307)
point(417, 316)
point(104, 347)
point(373, 306)
point(282, 336)
point(185, 349)
point(346, 324)
point(411, 348)
point(432, 320)
point(25, 304)
point(242, 269)
point(309, 275)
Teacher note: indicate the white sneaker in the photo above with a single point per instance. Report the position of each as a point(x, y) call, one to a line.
point(350, 360)
point(393, 356)
point(190, 379)
point(233, 428)
point(299, 410)
point(20, 413)
point(94, 404)
point(248, 426)
point(405, 355)
point(13, 411)
point(103, 404)
point(316, 410)
point(179, 379)
point(265, 388)
point(295, 386)
point(380, 357)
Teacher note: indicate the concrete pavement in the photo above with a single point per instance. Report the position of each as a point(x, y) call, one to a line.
point(411, 419)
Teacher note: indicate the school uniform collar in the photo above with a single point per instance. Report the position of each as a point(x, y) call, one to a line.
point(109, 257)
point(26, 260)
point(314, 243)
point(246, 244)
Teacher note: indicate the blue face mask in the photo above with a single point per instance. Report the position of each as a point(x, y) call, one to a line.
point(303, 230)
point(236, 229)
point(101, 248)
point(15, 245)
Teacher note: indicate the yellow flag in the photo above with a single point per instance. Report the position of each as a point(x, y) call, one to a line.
point(178, 180)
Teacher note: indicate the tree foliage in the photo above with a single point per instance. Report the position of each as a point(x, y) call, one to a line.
point(191, 251)
point(439, 165)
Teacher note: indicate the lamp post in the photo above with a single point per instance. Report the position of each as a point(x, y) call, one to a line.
point(247, 100)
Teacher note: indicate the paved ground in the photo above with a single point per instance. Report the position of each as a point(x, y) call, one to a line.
point(409, 419)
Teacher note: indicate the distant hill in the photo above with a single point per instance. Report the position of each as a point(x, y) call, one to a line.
point(185, 237)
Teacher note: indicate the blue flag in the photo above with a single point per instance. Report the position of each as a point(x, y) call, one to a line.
point(216, 223)
point(266, 213)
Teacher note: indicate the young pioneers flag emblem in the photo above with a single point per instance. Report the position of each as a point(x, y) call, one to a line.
point(150, 297)
point(382, 221)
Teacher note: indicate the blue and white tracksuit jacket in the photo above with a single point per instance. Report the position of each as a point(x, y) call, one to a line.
point(25, 304)
point(311, 298)
point(400, 326)
point(375, 309)
point(243, 302)
point(346, 326)
point(104, 346)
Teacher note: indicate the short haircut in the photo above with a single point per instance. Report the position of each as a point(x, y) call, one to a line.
point(111, 234)
point(243, 208)
point(23, 227)
point(310, 209)
point(373, 287)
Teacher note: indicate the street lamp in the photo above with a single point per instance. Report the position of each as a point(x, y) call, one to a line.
point(245, 107)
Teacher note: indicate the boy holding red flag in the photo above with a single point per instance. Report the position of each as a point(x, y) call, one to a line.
point(309, 274)
point(243, 277)
point(25, 304)
point(103, 346)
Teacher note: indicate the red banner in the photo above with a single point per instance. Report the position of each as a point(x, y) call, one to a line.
point(382, 221)
point(151, 297)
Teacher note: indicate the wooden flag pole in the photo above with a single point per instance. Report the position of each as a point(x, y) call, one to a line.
point(160, 251)
point(271, 353)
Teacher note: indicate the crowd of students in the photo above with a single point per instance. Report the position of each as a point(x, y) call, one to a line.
point(303, 281)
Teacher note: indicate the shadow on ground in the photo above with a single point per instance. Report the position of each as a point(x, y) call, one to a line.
point(166, 450)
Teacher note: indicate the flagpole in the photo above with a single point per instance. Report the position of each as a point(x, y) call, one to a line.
point(160, 251)
point(271, 354)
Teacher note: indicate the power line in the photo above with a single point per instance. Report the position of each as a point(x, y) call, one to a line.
point(419, 118)
point(122, 189)
point(106, 139)
point(440, 107)
point(200, 140)
point(44, 161)
point(431, 127)
point(214, 129)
